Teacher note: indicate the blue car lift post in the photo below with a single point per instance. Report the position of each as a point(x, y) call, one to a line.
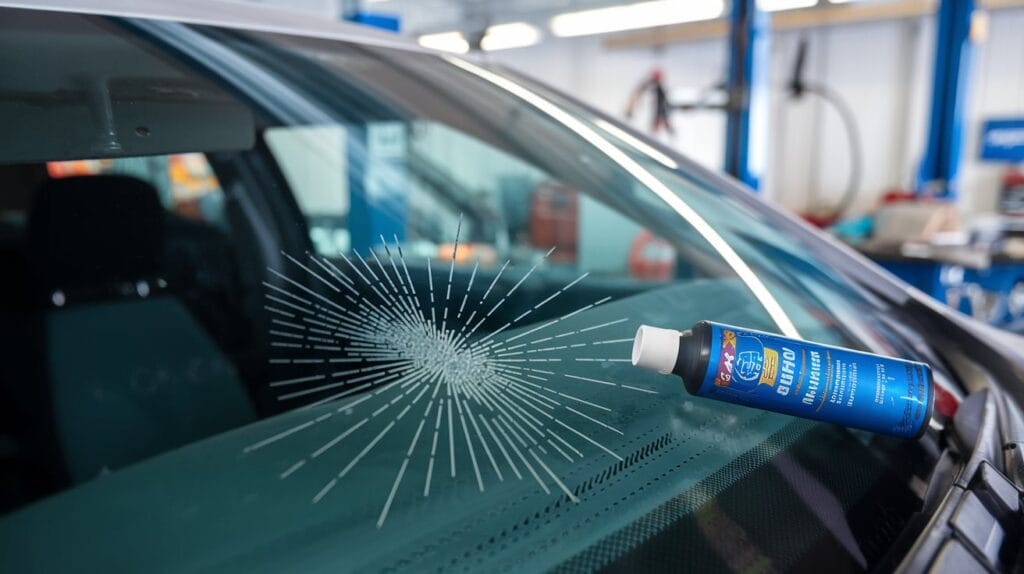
point(953, 51)
point(375, 155)
point(939, 166)
point(749, 33)
point(937, 176)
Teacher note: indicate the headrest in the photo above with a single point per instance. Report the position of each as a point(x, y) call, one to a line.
point(18, 182)
point(93, 230)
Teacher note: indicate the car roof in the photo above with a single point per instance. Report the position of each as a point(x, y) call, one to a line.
point(240, 15)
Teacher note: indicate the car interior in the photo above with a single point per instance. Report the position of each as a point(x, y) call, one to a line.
point(137, 323)
point(122, 303)
point(123, 320)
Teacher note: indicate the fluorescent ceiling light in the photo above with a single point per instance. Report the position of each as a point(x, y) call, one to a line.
point(634, 16)
point(445, 41)
point(511, 35)
point(777, 5)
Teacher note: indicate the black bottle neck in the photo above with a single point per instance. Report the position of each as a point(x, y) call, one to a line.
point(694, 355)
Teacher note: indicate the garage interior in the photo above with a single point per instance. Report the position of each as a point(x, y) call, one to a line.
point(897, 125)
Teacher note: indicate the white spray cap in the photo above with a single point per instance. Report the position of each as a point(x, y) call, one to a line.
point(656, 349)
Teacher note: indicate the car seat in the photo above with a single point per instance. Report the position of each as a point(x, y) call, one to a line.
point(29, 467)
point(131, 373)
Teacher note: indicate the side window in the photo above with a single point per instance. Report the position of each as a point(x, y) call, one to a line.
point(314, 163)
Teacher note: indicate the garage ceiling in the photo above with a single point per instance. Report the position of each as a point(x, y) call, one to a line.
point(423, 16)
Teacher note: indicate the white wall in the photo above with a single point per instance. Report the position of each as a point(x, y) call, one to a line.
point(998, 91)
point(605, 78)
point(882, 69)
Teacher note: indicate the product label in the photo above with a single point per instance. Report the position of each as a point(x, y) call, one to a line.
point(822, 382)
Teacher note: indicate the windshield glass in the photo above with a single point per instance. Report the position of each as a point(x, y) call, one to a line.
point(387, 320)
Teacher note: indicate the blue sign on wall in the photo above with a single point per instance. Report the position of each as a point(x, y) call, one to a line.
point(1003, 140)
point(381, 20)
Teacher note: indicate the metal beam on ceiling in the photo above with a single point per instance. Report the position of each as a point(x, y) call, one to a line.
point(817, 17)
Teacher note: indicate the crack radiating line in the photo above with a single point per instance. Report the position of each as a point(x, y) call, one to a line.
point(389, 362)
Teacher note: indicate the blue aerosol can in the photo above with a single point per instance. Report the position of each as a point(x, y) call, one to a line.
point(794, 377)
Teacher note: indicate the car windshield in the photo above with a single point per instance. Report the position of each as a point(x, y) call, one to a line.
point(288, 303)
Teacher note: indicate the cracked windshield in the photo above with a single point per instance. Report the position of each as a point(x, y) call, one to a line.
point(390, 312)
